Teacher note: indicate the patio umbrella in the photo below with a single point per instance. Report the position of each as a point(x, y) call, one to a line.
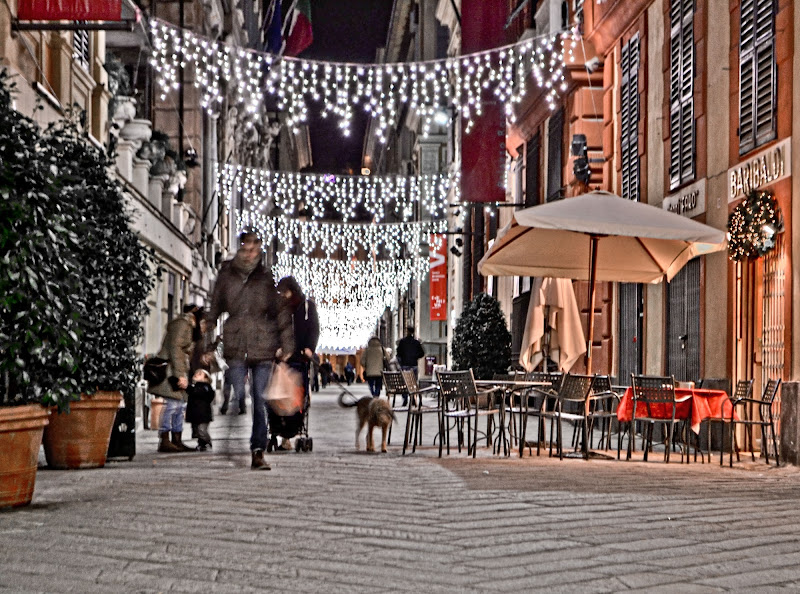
point(598, 236)
point(552, 306)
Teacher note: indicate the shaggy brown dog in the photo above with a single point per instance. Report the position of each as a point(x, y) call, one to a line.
point(372, 412)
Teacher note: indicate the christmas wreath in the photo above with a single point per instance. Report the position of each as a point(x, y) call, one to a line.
point(752, 226)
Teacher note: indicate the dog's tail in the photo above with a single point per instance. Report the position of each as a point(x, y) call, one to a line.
point(347, 399)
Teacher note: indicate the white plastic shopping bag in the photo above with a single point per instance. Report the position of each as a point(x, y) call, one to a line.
point(284, 394)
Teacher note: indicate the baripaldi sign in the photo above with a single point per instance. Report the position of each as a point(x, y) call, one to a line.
point(70, 10)
point(438, 278)
point(765, 168)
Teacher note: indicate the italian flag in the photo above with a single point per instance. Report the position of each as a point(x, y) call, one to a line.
point(300, 34)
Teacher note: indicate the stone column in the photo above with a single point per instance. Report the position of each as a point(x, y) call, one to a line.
point(790, 423)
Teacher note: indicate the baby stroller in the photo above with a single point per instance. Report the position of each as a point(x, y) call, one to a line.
point(290, 426)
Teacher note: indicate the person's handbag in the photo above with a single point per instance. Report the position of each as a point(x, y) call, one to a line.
point(285, 392)
point(155, 371)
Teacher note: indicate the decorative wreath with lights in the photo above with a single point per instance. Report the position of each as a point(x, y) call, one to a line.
point(752, 226)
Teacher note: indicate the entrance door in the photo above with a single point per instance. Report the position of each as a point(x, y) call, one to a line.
point(631, 314)
point(683, 323)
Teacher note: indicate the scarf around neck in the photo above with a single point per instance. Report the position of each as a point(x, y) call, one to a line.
point(244, 267)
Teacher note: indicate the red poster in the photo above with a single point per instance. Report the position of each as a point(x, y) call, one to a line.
point(438, 289)
point(70, 10)
point(483, 149)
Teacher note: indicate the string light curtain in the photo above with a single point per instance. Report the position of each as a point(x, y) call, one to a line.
point(262, 190)
point(394, 240)
point(381, 90)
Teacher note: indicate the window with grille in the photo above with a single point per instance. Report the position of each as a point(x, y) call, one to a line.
point(681, 93)
point(80, 47)
point(757, 74)
point(629, 118)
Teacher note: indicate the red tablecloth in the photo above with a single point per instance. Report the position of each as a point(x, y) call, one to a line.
point(694, 404)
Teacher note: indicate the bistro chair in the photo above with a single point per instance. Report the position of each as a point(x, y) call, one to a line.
point(461, 401)
point(745, 406)
point(416, 409)
point(604, 409)
point(573, 403)
point(744, 390)
point(533, 402)
point(654, 401)
point(395, 386)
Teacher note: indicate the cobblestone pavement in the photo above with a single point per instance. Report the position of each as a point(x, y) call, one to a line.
point(340, 520)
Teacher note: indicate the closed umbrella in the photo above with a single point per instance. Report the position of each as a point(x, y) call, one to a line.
point(598, 236)
point(552, 304)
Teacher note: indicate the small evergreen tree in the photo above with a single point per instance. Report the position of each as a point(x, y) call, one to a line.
point(481, 340)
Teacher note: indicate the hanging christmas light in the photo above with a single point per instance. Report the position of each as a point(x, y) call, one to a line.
point(263, 189)
point(392, 239)
point(380, 90)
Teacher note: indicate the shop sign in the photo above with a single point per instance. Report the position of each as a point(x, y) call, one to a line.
point(689, 201)
point(765, 168)
point(70, 10)
point(438, 278)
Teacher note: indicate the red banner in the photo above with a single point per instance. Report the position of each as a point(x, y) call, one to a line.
point(70, 10)
point(438, 280)
point(483, 149)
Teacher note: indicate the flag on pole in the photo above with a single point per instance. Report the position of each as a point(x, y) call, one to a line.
point(274, 38)
point(300, 34)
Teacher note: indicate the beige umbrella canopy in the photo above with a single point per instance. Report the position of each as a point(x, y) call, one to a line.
point(598, 236)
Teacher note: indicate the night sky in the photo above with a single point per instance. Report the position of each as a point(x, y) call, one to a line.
point(347, 31)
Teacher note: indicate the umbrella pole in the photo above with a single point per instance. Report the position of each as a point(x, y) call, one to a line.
point(592, 275)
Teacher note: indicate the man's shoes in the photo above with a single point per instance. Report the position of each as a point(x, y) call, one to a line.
point(242, 409)
point(177, 441)
point(258, 462)
point(223, 410)
point(165, 445)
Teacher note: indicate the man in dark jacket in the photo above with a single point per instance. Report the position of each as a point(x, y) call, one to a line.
point(258, 325)
point(409, 351)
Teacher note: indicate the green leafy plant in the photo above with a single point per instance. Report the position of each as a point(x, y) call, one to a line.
point(40, 270)
point(74, 277)
point(481, 340)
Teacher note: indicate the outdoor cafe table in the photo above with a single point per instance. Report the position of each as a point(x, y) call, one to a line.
point(696, 404)
point(508, 387)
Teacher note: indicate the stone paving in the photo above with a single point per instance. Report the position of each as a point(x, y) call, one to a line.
point(337, 520)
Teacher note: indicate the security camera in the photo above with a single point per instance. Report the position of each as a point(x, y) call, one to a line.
point(593, 64)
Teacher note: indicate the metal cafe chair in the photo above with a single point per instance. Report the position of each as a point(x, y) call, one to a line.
point(395, 386)
point(656, 395)
point(604, 409)
point(534, 402)
point(573, 403)
point(744, 389)
point(763, 407)
point(416, 409)
point(461, 401)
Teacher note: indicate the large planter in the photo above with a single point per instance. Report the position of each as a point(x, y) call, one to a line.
point(156, 408)
point(79, 439)
point(21, 430)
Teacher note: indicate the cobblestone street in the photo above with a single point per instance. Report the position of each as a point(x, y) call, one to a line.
point(340, 520)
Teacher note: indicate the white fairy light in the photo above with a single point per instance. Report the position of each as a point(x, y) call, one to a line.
point(381, 90)
point(381, 196)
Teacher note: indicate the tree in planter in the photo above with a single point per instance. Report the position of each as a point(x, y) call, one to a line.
point(481, 340)
point(40, 269)
point(115, 267)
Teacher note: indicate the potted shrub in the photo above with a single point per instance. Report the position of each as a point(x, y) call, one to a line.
point(115, 281)
point(481, 340)
point(40, 299)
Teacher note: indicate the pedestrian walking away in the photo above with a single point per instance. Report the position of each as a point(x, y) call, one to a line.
point(177, 349)
point(256, 327)
point(374, 361)
point(409, 352)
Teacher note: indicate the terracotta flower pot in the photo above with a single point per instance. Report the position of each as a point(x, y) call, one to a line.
point(21, 430)
point(79, 439)
point(156, 408)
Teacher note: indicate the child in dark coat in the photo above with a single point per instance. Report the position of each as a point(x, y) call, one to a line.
point(198, 410)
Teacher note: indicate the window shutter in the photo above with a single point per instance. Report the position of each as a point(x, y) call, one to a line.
point(80, 47)
point(555, 165)
point(682, 129)
point(629, 120)
point(532, 171)
point(757, 74)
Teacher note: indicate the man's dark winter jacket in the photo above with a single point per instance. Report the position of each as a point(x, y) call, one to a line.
point(258, 323)
point(409, 351)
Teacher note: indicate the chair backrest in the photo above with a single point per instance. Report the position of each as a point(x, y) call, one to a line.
point(768, 397)
point(744, 389)
point(409, 380)
point(456, 384)
point(574, 390)
point(602, 383)
point(395, 384)
point(653, 389)
point(715, 383)
point(554, 377)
